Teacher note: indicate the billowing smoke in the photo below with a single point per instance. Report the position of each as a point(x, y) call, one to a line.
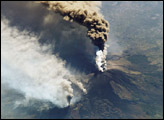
point(32, 69)
point(87, 14)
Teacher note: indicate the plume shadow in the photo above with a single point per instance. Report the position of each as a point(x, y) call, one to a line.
point(68, 40)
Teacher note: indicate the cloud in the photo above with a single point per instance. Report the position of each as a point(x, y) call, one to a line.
point(32, 70)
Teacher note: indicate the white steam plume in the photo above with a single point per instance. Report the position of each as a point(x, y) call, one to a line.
point(101, 59)
point(33, 70)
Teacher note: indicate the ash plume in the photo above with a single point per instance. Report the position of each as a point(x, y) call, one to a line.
point(87, 14)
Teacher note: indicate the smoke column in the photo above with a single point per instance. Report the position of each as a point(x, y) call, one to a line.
point(87, 14)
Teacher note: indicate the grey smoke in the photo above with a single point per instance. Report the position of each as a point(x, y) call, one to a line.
point(33, 70)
